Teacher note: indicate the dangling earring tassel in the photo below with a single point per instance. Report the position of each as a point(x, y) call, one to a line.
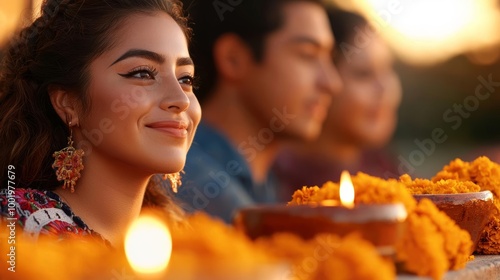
point(175, 180)
point(68, 163)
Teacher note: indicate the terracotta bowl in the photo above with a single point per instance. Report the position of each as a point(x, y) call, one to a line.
point(471, 211)
point(383, 225)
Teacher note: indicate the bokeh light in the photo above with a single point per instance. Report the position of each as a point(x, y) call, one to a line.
point(428, 32)
point(148, 245)
point(11, 13)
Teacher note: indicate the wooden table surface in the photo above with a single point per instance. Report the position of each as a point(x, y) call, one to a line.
point(481, 268)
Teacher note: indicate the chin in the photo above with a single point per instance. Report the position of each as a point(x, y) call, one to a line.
point(313, 135)
point(377, 143)
point(170, 163)
point(313, 131)
point(310, 134)
point(176, 166)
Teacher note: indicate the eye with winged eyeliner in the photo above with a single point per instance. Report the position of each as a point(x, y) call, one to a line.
point(148, 72)
point(141, 72)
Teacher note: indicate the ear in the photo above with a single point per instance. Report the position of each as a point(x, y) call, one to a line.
point(65, 104)
point(232, 57)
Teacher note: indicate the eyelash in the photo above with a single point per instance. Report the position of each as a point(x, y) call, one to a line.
point(193, 81)
point(189, 77)
point(151, 71)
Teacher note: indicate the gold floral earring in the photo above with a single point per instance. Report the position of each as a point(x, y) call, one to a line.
point(175, 180)
point(68, 163)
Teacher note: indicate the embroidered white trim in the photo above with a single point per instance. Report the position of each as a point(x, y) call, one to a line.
point(38, 219)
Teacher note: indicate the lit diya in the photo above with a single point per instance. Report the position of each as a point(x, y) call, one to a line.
point(381, 224)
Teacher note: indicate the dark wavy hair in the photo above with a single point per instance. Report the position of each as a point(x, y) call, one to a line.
point(57, 49)
point(345, 26)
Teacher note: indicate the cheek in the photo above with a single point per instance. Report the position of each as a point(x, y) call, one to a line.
point(268, 89)
point(357, 116)
point(194, 110)
point(102, 99)
point(115, 113)
point(357, 100)
point(291, 77)
point(395, 93)
point(120, 104)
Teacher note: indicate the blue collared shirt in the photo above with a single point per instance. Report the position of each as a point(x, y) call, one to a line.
point(217, 178)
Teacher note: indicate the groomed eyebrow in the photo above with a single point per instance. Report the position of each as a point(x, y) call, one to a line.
point(304, 39)
point(141, 53)
point(183, 61)
point(308, 40)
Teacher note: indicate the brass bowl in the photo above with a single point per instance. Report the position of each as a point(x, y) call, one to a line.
point(470, 211)
point(381, 224)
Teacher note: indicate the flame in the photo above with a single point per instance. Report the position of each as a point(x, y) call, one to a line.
point(346, 190)
point(148, 245)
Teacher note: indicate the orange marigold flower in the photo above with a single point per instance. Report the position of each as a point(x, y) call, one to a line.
point(433, 242)
point(329, 257)
point(303, 196)
point(442, 186)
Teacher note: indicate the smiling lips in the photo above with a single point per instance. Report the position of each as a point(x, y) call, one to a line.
point(174, 128)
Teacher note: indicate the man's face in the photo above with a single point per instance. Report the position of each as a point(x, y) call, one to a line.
point(295, 80)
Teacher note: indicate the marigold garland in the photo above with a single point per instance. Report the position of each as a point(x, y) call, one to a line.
point(329, 257)
point(442, 186)
point(433, 242)
point(205, 240)
point(368, 189)
point(428, 230)
point(50, 258)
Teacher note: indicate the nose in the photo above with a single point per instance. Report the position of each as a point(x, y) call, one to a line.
point(174, 98)
point(379, 87)
point(388, 89)
point(329, 79)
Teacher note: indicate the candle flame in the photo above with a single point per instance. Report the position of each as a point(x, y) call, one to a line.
point(148, 245)
point(346, 190)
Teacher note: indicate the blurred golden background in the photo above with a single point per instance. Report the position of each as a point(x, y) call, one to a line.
point(445, 50)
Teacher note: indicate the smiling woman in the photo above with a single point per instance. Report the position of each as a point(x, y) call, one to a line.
point(106, 88)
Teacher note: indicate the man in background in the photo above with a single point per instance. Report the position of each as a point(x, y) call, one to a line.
point(266, 78)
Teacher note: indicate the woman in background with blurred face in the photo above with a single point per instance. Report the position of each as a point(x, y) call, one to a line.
point(364, 115)
point(361, 119)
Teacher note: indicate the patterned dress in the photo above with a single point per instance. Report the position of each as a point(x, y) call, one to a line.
point(42, 213)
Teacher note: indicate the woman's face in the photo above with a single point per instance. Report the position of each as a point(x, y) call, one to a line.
point(365, 113)
point(143, 113)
